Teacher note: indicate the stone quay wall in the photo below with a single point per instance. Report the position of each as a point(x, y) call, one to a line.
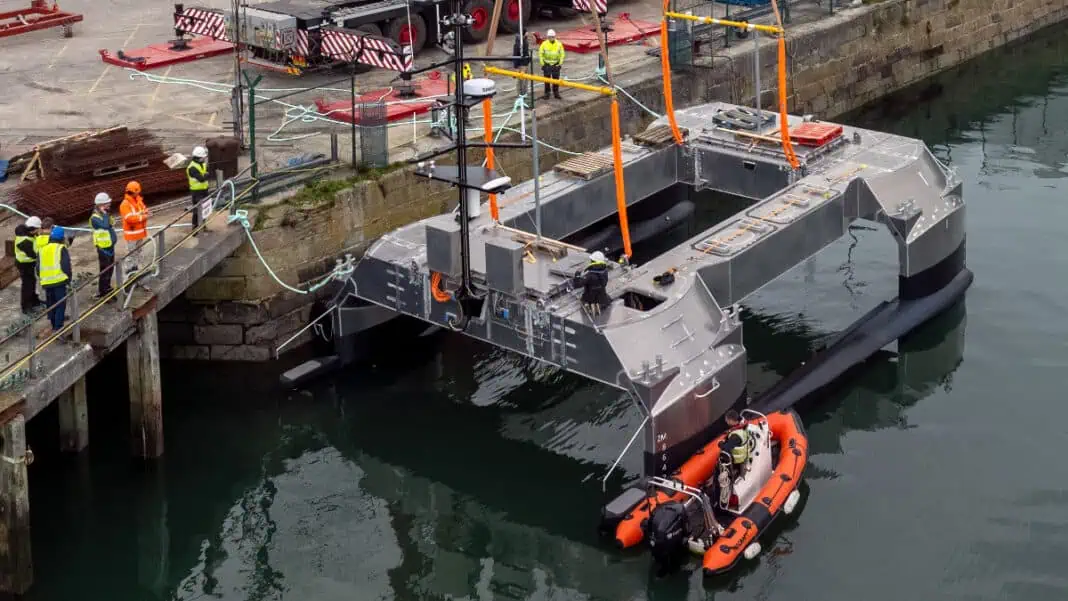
point(837, 64)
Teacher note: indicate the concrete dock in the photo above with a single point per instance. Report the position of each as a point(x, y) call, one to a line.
point(59, 368)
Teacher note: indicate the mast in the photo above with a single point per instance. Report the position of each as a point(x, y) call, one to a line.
point(458, 24)
point(470, 181)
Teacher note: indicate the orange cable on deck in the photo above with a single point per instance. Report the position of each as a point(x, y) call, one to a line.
point(487, 124)
point(665, 70)
point(617, 160)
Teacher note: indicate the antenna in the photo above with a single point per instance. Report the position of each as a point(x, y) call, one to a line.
point(471, 181)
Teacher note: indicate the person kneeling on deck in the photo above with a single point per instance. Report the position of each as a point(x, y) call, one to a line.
point(26, 260)
point(594, 282)
point(54, 271)
point(197, 174)
point(551, 59)
point(104, 240)
point(134, 222)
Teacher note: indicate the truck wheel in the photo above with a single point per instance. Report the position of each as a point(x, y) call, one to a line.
point(415, 34)
point(510, 17)
point(481, 12)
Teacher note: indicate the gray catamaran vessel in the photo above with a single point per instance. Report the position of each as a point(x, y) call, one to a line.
point(676, 349)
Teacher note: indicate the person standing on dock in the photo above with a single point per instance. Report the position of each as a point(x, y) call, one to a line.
point(42, 234)
point(551, 59)
point(26, 261)
point(54, 271)
point(594, 281)
point(134, 221)
point(104, 240)
point(197, 174)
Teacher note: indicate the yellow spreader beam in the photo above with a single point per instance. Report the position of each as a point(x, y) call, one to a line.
point(725, 23)
point(563, 82)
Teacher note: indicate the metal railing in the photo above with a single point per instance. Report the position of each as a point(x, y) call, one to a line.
point(22, 366)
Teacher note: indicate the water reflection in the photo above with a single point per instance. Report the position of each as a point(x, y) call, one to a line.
point(421, 498)
point(992, 100)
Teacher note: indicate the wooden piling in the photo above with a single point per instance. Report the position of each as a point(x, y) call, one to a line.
point(16, 560)
point(146, 398)
point(74, 418)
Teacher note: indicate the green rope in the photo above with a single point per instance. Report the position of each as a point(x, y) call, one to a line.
point(341, 271)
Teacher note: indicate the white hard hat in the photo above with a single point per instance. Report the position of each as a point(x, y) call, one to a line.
point(102, 199)
point(551, 33)
point(597, 256)
point(34, 221)
point(200, 152)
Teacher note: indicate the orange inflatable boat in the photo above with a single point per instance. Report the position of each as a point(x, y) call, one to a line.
point(717, 509)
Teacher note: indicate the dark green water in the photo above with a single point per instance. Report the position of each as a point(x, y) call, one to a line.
point(466, 473)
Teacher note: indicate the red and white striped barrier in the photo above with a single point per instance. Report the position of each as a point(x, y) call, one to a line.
point(347, 45)
point(584, 6)
point(199, 21)
point(301, 47)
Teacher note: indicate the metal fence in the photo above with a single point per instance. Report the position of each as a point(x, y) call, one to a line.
point(681, 35)
point(283, 123)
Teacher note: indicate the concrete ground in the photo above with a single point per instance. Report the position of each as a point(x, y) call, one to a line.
point(58, 86)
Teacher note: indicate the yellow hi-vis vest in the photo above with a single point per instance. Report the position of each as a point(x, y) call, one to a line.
point(50, 269)
point(20, 256)
point(551, 53)
point(740, 453)
point(194, 185)
point(39, 242)
point(102, 237)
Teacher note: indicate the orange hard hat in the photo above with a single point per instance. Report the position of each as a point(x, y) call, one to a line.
point(133, 188)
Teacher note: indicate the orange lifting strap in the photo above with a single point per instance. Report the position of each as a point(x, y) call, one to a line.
point(665, 71)
point(665, 67)
point(784, 126)
point(617, 160)
point(487, 124)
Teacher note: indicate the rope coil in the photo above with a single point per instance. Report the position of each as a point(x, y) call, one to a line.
point(437, 290)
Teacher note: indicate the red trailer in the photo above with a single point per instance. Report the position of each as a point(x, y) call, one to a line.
point(38, 16)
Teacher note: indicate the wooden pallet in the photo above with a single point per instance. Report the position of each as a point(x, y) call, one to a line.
point(113, 169)
point(587, 166)
point(657, 136)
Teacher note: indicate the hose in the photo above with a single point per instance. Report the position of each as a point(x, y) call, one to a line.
point(436, 289)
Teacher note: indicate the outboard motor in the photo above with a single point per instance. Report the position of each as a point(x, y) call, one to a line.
point(667, 530)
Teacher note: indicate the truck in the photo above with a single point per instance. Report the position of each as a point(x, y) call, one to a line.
point(291, 35)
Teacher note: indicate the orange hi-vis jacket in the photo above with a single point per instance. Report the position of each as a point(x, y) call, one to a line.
point(134, 217)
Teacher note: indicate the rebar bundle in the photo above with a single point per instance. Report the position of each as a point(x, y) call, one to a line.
point(75, 171)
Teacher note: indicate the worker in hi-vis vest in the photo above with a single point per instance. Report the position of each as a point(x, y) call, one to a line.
point(26, 262)
point(134, 215)
point(464, 73)
point(551, 59)
point(197, 173)
point(54, 273)
point(42, 234)
point(104, 240)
